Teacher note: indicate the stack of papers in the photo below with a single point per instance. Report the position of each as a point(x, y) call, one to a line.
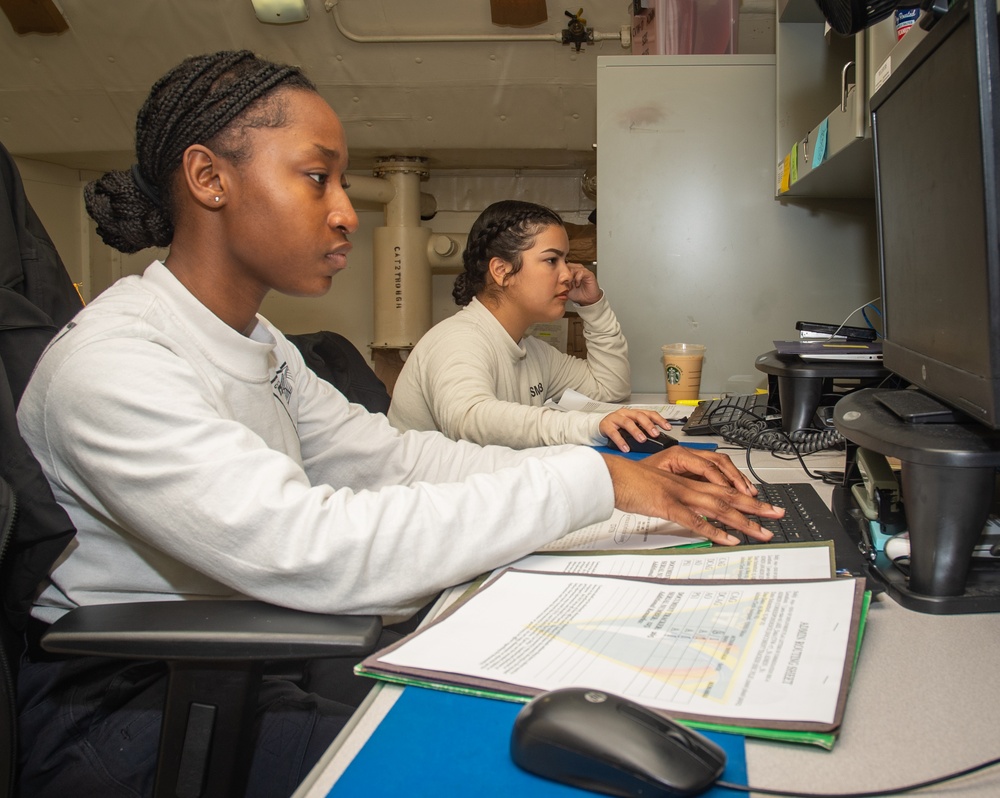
point(756, 640)
point(574, 400)
point(627, 532)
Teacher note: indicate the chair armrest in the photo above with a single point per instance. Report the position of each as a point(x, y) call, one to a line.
point(195, 630)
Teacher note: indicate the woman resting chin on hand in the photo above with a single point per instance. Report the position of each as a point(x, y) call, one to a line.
point(477, 376)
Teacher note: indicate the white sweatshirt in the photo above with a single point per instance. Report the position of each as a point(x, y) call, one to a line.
point(197, 462)
point(468, 378)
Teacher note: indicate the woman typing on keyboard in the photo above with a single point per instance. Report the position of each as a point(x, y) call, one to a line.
point(198, 457)
point(477, 376)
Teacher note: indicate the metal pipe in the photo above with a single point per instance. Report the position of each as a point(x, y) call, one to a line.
point(401, 282)
point(444, 252)
point(404, 254)
point(383, 192)
point(404, 174)
point(401, 277)
point(371, 189)
point(334, 5)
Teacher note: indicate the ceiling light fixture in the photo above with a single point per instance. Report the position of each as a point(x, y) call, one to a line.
point(280, 12)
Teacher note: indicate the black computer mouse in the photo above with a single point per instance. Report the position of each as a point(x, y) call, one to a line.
point(648, 446)
point(602, 742)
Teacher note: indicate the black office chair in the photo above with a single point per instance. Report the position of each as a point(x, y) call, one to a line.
point(338, 361)
point(11, 647)
point(216, 652)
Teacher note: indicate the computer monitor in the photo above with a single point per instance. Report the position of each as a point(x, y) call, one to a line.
point(937, 155)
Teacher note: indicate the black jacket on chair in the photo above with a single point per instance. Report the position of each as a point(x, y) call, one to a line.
point(339, 362)
point(37, 298)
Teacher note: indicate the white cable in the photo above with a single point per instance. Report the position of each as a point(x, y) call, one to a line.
point(844, 322)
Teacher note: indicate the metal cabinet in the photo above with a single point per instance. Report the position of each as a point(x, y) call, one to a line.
point(691, 242)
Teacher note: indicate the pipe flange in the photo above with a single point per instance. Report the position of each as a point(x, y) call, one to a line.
point(401, 164)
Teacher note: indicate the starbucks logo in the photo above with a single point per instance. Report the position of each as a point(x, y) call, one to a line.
point(673, 375)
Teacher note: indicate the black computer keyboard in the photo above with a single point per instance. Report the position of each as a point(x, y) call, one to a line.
point(710, 415)
point(807, 518)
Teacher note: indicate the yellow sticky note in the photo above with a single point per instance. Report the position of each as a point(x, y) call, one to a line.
point(785, 173)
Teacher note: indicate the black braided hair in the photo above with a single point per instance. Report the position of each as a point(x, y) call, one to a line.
point(208, 99)
point(504, 230)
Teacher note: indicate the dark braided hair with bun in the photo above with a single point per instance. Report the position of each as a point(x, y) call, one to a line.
point(504, 230)
point(208, 99)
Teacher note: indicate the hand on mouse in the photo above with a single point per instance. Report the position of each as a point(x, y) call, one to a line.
point(689, 488)
point(640, 424)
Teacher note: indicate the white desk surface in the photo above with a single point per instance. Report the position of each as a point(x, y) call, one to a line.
point(924, 701)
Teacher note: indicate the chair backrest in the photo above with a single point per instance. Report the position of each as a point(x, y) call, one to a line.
point(33, 534)
point(10, 650)
point(37, 298)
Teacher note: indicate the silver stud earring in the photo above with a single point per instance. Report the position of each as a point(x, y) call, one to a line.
point(217, 199)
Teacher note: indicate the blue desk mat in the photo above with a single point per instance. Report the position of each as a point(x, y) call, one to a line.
point(620, 453)
point(434, 743)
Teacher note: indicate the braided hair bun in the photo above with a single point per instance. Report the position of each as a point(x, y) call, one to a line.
point(207, 99)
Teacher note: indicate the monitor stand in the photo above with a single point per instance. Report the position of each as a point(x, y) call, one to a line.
point(802, 384)
point(948, 475)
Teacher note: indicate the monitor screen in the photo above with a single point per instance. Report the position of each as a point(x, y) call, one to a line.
point(934, 126)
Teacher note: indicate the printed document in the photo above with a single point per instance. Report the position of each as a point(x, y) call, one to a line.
point(774, 562)
point(626, 531)
point(574, 400)
point(764, 654)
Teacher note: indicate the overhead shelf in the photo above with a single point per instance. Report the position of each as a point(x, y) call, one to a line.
point(823, 146)
point(835, 158)
point(799, 11)
point(825, 82)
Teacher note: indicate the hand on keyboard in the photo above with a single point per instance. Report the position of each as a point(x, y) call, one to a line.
point(692, 489)
point(705, 465)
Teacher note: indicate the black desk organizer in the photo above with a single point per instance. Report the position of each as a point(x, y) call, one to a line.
point(948, 477)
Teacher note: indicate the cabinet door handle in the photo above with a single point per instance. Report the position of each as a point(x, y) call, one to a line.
point(843, 86)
